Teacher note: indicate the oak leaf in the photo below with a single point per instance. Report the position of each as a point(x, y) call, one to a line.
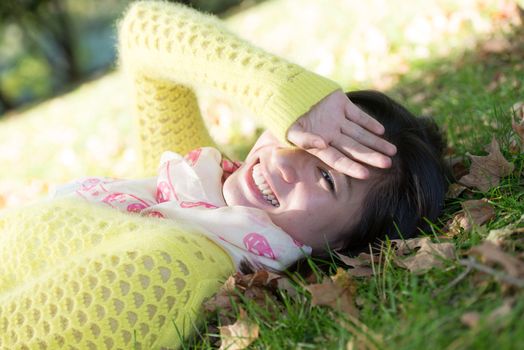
point(239, 335)
point(337, 292)
point(486, 171)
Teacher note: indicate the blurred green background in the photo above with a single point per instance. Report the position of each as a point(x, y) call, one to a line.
point(66, 111)
point(49, 46)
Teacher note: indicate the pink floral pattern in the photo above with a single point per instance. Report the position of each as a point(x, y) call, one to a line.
point(125, 201)
point(163, 192)
point(259, 245)
point(186, 204)
point(193, 156)
point(182, 192)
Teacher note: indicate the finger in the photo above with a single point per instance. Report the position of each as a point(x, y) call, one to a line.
point(341, 163)
point(304, 139)
point(368, 139)
point(361, 153)
point(361, 118)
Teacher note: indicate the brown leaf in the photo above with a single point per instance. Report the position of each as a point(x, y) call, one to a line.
point(337, 292)
point(486, 171)
point(429, 255)
point(474, 213)
point(240, 334)
point(493, 254)
point(478, 211)
point(407, 246)
point(457, 165)
point(361, 271)
point(353, 262)
point(361, 265)
point(259, 287)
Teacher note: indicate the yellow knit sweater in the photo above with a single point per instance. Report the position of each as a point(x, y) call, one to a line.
point(75, 275)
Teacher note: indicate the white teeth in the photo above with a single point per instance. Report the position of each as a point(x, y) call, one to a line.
point(262, 185)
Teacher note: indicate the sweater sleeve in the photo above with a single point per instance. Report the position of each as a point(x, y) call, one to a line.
point(80, 276)
point(169, 49)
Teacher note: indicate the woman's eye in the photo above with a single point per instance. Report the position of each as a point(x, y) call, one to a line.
point(328, 178)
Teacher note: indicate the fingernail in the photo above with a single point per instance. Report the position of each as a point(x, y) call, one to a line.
point(393, 150)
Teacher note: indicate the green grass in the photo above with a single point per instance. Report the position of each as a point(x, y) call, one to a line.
point(453, 82)
point(424, 311)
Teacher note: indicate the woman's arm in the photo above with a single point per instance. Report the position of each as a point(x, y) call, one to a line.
point(170, 48)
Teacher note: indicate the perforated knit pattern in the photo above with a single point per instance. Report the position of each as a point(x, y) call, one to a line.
point(101, 279)
point(169, 119)
point(174, 45)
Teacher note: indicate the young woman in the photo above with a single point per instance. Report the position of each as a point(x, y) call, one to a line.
point(87, 276)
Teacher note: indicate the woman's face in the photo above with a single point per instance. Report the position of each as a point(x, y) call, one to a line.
point(302, 195)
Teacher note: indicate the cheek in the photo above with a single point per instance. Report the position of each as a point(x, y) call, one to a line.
point(230, 189)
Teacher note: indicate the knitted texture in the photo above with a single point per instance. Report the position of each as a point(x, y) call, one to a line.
point(86, 277)
point(166, 46)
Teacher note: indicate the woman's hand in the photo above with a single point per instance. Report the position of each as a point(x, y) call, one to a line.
point(342, 136)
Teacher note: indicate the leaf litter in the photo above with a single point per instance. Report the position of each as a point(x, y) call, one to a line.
point(486, 171)
point(473, 213)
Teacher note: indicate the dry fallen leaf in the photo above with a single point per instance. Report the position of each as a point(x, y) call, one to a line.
point(429, 255)
point(493, 254)
point(361, 271)
point(473, 213)
point(360, 266)
point(407, 246)
point(260, 287)
point(240, 334)
point(486, 171)
point(338, 292)
point(457, 165)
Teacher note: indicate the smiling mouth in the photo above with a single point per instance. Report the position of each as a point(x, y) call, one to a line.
point(263, 187)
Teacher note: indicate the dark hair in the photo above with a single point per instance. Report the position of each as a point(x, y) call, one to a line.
point(412, 191)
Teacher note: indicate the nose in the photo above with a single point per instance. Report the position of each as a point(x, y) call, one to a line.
point(285, 160)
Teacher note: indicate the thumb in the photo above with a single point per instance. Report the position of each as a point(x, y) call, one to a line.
point(304, 139)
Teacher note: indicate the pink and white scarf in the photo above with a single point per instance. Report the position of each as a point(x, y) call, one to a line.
point(189, 190)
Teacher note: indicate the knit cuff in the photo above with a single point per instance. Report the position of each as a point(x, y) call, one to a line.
point(294, 98)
